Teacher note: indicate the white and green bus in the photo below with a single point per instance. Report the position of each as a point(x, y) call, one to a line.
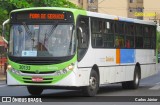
point(71, 48)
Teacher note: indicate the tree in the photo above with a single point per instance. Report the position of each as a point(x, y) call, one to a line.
point(158, 40)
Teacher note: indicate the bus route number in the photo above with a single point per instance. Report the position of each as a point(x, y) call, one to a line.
point(22, 67)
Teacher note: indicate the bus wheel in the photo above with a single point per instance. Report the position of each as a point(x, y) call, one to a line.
point(34, 90)
point(135, 83)
point(93, 87)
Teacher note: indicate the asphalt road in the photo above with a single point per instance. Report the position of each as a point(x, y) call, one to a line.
point(148, 87)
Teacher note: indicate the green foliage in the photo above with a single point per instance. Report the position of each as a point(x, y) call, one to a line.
point(158, 40)
point(6, 6)
point(3, 16)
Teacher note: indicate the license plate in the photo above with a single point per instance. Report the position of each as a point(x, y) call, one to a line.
point(37, 79)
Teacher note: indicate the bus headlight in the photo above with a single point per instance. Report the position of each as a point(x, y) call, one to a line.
point(71, 66)
point(15, 71)
point(65, 70)
point(9, 67)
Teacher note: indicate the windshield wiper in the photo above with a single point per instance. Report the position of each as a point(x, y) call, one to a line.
point(47, 35)
point(27, 30)
point(29, 33)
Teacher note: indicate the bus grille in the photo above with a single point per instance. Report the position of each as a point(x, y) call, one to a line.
point(32, 72)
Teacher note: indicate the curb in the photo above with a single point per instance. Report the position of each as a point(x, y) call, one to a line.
point(2, 79)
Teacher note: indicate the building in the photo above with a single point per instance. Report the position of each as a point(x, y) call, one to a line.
point(152, 10)
point(134, 8)
point(139, 9)
point(90, 5)
point(124, 8)
point(74, 1)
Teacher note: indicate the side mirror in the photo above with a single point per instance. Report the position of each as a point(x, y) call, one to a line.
point(3, 30)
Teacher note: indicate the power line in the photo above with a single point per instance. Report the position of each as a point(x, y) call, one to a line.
point(101, 2)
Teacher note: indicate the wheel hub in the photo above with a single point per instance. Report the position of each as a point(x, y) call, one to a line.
point(92, 82)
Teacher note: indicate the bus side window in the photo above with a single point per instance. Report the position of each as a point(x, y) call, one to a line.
point(129, 35)
point(119, 35)
point(97, 30)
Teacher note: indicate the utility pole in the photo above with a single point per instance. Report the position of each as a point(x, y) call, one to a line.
point(156, 20)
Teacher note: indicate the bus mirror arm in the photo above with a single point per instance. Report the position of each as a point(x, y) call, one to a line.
point(3, 30)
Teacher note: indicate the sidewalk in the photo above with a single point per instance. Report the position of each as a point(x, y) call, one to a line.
point(2, 75)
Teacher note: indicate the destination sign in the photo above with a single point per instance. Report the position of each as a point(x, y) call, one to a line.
point(41, 16)
point(46, 16)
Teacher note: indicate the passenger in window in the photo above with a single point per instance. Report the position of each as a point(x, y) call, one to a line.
point(128, 44)
point(119, 42)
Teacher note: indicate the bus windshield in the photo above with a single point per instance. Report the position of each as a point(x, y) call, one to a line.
point(55, 40)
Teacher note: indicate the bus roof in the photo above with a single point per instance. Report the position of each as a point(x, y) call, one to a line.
point(47, 8)
point(92, 14)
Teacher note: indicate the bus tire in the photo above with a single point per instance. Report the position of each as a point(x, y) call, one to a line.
point(135, 83)
point(93, 87)
point(34, 90)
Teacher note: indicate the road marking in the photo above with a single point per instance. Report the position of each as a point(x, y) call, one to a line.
point(156, 87)
point(158, 83)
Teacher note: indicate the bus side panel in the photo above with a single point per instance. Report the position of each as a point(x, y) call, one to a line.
point(147, 61)
point(105, 59)
point(116, 74)
point(79, 77)
point(107, 75)
point(129, 70)
point(120, 73)
point(88, 60)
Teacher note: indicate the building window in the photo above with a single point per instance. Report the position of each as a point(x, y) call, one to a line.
point(130, 10)
point(139, 9)
point(91, 1)
point(131, 1)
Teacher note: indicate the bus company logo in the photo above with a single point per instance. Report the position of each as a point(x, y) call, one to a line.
point(109, 59)
point(37, 71)
point(6, 99)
